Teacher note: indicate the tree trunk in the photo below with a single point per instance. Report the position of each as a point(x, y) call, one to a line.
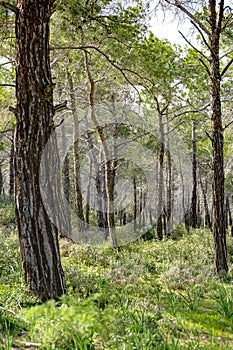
point(87, 218)
point(217, 142)
point(193, 214)
point(169, 185)
point(1, 180)
point(109, 168)
point(161, 180)
point(34, 124)
point(11, 172)
point(77, 182)
point(135, 202)
point(213, 30)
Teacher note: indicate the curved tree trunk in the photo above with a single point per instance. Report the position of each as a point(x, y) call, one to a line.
point(34, 124)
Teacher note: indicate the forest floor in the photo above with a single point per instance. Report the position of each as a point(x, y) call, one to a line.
point(143, 296)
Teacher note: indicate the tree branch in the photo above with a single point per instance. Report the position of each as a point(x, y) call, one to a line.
point(7, 310)
point(9, 6)
point(103, 54)
point(202, 35)
point(13, 109)
point(201, 53)
point(227, 125)
point(226, 54)
point(11, 85)
point(208, 135)
point(229, 22)
point(5, 63)
point(220, 16)
point(4, 132)
point(190, 15)
point(27, 344)
point(60, 107)
point(205, 65)
point(226, 68)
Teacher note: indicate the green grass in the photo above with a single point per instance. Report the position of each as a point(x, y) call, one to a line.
point(144, 296)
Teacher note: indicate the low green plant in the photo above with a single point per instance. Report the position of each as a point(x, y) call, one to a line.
point(173, 302)
point(68, 323)
point(191, 298)
point(11, 325)
point(224, 298)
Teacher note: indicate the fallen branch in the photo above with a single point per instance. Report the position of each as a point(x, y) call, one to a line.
point(27, 344)
point(7, 310)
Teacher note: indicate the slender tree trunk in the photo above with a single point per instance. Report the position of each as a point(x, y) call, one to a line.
point(66, 191)
point(11, 172)
point(135, 202)
point(109, 178)
point(227, 210)
point(161, 180)
point(169, 185)
point(140, 201)
point(1, 180)
point(206, 206)
point(76, 157)
point(193, 214)
point(98, 183)
point(66, 179)
point(34, 124)
point(87, 218)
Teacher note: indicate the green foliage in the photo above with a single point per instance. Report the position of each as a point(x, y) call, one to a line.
point(147, 295)
point(67, 323)
point(224, 298)
point(7, 211)
point(144, 296)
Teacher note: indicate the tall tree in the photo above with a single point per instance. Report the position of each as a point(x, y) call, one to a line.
point(34, 125)
point(211, 25)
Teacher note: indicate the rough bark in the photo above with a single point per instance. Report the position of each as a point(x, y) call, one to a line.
point(34, 124)
point(217, 142)
point(213, 30)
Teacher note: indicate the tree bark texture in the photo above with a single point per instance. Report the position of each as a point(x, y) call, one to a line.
point(217, 141)
point(34, 124)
